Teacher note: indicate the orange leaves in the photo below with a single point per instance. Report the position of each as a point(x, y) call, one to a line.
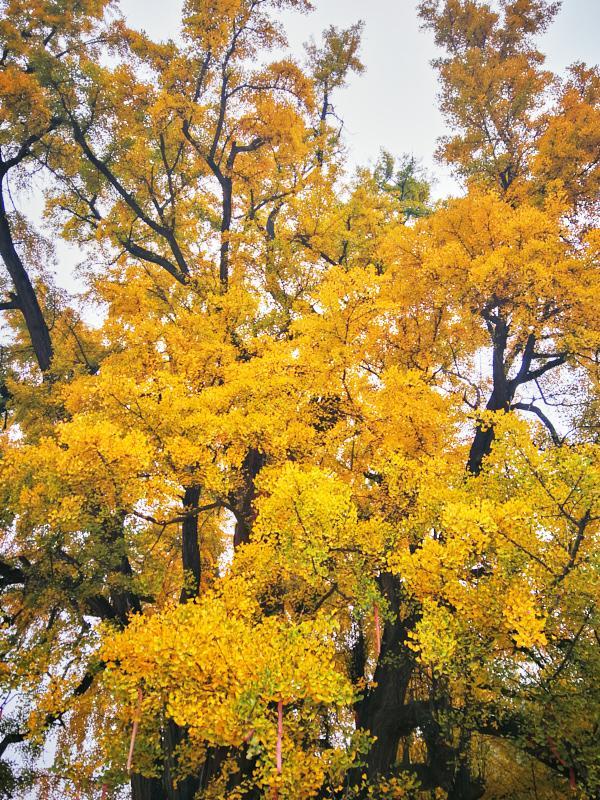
point(567, 152)
point(23, 103)
point(208, 24)
point(480, 252)
point(492, 84)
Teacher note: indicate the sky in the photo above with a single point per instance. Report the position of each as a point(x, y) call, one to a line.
point(393, 103)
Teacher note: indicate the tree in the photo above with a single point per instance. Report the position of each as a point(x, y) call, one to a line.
point(298, 517)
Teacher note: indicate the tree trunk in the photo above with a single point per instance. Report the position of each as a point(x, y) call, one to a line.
point(464, 785)
point(27, 298)
point(190, 547)
point(227, 209)
point(381, 711)
point(146, 788)
point(500, 400)
point(174, 735)
point(165, 787)
point(253, 463)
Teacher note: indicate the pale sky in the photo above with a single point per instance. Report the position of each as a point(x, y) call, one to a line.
point(393, 103)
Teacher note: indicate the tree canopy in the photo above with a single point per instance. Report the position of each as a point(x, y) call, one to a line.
point(309, 506)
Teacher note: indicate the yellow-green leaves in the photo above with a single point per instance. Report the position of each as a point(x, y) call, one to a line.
point(219, 668)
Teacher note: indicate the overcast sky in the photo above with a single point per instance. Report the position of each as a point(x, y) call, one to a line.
point(393, 103)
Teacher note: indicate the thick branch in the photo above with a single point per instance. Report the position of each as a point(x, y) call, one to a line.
point(27, 298)
point(144, 254)
point(540, 414)
point(190, 546)
point(532, 375)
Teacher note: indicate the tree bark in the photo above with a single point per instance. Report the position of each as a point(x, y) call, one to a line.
point(502, 391)
point(146, 788)
point(27, 298)
point(227, 210)
point(500, 400)
point(190, 547)
point(253, 463)
point(382, 710)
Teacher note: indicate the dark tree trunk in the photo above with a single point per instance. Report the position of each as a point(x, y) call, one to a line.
point(502, 392)
point(186, 789)
point(146, 788)
point(382, 710)
point(124, 601)
point(27, 299)
point(500, 400)
point(253, 463)
point(227, 209)
point(190, 547)
point(165, 787)
point(464, 785)
point(448, 764)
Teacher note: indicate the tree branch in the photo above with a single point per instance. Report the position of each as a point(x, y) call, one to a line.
point(540, 414)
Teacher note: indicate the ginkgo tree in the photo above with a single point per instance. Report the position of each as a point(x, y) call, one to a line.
point(311, 509)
